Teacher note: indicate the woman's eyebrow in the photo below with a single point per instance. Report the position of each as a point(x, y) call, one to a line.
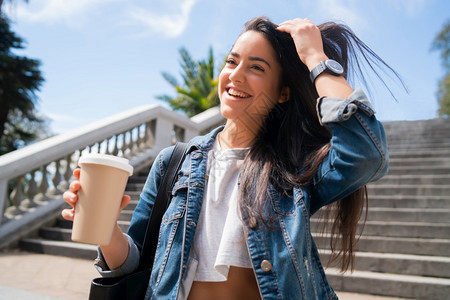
point(252, 58)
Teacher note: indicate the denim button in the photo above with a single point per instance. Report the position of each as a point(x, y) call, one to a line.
point(253, 223)
point(266, 265)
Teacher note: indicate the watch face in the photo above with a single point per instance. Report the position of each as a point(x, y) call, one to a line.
point(334, 66)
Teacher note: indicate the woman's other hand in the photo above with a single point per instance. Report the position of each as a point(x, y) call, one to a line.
point(71, 197)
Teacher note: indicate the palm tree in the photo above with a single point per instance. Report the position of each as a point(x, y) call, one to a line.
point(198, 92)
point(441, 43)
point(20, 78)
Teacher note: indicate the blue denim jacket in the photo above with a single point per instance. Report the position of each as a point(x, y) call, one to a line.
point(285, 261)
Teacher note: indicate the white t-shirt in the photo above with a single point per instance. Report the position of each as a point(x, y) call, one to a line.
point(219, 240)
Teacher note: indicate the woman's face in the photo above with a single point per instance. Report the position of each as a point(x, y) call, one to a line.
point(250, 83)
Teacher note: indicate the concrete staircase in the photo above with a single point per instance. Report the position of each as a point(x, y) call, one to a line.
point(404, 250)
point(405, 247)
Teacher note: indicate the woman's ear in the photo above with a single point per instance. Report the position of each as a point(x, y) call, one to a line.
point(285, 94)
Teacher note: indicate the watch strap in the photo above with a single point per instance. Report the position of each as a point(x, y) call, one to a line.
point(317, 70)
point(330, 66)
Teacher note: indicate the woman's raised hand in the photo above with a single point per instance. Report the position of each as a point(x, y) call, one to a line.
point(307, 40)
point(71, 197)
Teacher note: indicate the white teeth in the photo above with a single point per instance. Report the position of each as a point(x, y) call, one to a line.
point(235, 93)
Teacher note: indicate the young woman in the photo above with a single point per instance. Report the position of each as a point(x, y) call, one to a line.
point(297, 138)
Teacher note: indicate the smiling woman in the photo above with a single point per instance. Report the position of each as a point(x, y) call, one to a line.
point(238, 225)
point(249, 87)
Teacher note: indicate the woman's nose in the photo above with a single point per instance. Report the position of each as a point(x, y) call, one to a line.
point(237, 74)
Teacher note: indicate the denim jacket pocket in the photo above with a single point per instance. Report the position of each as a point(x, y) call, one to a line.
point(283, 204)
point(178, 202)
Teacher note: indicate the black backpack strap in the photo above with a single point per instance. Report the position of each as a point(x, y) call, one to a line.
point(160, 206)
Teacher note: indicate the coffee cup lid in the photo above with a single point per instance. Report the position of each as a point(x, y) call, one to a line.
point(107, 160)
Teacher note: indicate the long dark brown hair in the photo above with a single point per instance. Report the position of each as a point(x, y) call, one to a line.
point(291, 144)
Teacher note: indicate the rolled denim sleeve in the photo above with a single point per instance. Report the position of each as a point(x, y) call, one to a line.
point(130, 264)
point(331, 109)
point(358, 148)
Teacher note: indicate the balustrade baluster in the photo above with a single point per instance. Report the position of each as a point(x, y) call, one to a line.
point(80, 153)
point(107, 146)
point(150, 131)
point(124, 143)
point(146, 138)
point(67, 173)
point(140, 139)
point(179, 134)
point(56, 179)
point(30, 190)
point(132, 143)
point(42, 197)
point(116, 146)
point(16, 197)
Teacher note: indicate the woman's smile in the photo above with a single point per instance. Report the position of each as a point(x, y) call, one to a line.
point(234, 92)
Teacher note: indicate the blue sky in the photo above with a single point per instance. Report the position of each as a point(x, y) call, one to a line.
point(102, 57)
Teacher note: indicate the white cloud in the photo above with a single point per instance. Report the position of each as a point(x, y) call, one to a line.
point(411, 7)
point(63, 118)
point(342, 10)
point(70, 12)
point(171, 25)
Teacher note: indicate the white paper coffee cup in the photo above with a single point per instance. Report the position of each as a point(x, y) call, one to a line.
point(103, 179)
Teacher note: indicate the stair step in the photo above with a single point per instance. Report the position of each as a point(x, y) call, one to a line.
point(395, 263)
point(409, 189)
point(419, 154)
point(63, 248)
point(409, 201)
point(407, 229)
point(393, 229)
point(432, 215)
point(423, 161)
point(135, 195)
point(62, 223)
point(56, 234)
point(384, 284)
point(137, 179)
point(433, 179)
point(124, 225)
point(416, 246)
point(126, 215)
point(421, 170)
point(135, 186)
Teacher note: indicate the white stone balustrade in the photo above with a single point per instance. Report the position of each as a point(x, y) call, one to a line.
point(32, 179)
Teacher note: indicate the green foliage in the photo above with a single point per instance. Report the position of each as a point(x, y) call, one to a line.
point(198, 91)
point(20, 79)
point(442, 44)
point(443, 95)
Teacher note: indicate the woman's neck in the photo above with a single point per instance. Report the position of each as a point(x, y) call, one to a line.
point(236, 134)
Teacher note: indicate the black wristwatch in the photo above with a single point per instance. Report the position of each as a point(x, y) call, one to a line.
point(330, 66)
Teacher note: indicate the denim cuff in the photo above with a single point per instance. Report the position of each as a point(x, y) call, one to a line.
point(130, 264)
point(331, 109)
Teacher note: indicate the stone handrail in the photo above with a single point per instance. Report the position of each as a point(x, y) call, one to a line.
point(32, 179)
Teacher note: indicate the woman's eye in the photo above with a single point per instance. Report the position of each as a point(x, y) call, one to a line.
point(230, 62)
point(258, 68)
